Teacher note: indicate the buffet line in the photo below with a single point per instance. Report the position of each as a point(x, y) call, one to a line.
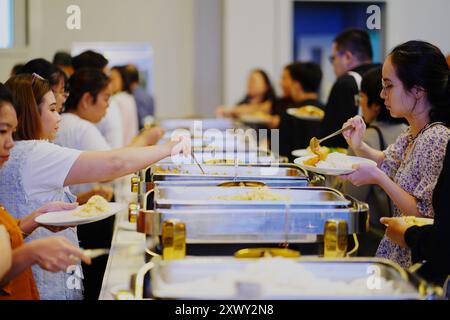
point(245, 224)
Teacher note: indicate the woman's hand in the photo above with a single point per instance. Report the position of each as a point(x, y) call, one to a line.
point(180, 144)
point(6, 252)
point(364, 174)
point(28, 224)
point(396, 228)
point(354, 137)
point(152, 135)
point(56, 254)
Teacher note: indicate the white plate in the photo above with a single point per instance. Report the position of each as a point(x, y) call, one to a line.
point(301, 153)
point(333, 171)
point(293, 112)
point(252, 119)
point(68, 219)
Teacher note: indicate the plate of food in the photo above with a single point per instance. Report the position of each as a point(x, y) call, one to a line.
point(258, 117)
point(333, 164)
point(307, 113)
point(326, 150)
point(96, 209)
point(417, 221)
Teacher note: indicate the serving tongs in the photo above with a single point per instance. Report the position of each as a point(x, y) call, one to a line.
point(314, 144)
point(196, 161)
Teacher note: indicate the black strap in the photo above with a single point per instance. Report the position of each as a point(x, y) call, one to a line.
point(380, 137)
point(383, 147)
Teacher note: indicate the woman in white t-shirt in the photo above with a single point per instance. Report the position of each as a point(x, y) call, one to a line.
point(40, 171)
point(86, 106)
point(126, 103)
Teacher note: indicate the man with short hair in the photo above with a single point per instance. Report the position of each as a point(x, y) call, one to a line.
point(63, 60)
point(351, 58)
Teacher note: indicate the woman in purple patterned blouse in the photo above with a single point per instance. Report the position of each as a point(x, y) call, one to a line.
point(415, 87)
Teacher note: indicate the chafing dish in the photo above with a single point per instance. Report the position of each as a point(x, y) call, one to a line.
point(220, 157)
point(289, 173)
point(278, 278)
point(191, 124)
point(212, 198)
point(238, 222)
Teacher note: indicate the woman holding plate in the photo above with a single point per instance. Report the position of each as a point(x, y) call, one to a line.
point(415, 87)
point(40, 171)
point(53, 254)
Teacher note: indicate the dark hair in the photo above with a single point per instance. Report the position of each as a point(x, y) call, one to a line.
point(126, 78)
point(62, 58)
point(5, 95)
point(421, 64)
point(371, 87)
point(16, 68)
point(133, 73)
point(85, 80)
point(308, 74)
point(28, 92)
point(45, 69)
point(89, 59)
point(270, 92)
point(357, 41)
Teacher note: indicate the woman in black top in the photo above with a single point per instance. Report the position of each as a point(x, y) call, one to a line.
point(430, 243)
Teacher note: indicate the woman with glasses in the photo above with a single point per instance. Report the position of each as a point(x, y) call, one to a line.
point(415, 87)
point(40, 171)
point(382, 131)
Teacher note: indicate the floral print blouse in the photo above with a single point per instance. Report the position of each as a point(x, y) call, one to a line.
point(415, 165)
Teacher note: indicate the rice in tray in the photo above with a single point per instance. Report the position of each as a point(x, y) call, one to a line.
point(258, 194)
point(276, 277)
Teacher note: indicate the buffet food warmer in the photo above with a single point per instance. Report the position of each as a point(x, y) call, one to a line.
point(166, 174)
point(281, 278)
point(220, 227)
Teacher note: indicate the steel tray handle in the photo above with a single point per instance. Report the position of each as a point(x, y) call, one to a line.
point(139, 280)
point(356, 204)
point(147, 194)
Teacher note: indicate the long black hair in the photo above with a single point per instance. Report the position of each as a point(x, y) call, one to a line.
point(270, 92)
point(421, 64)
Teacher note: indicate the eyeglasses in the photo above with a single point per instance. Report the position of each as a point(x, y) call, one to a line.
point(35, 76)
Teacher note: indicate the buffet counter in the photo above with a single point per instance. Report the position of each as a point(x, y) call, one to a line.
point(127, 256)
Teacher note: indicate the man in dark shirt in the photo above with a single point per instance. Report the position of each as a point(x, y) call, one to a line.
point(144, 102)
point(351, 56)
point(305, 82)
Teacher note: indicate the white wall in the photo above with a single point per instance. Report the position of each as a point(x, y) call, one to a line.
point(258, 33)
point(418, 20)
point(166, 24)
point(202, 60)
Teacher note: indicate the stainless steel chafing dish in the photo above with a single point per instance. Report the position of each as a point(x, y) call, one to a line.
point(277, 174)
point(165, 174)
point(210, 123)
point(237, 222)
point(315, 278)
